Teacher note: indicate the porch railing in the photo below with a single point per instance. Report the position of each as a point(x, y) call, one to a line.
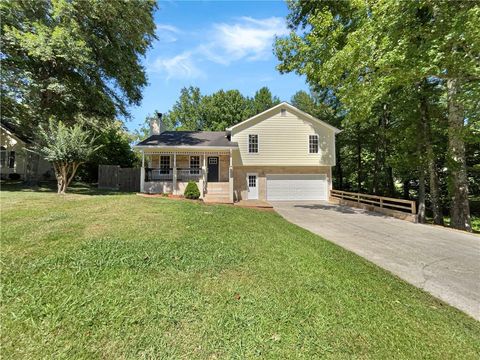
point(158, 174)
point(189, 174)
point(166, 174)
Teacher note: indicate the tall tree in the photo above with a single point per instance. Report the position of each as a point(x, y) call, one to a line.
point(66, 148)
point(366, 49)
point(188, 111)
point(263, 100)
point(67, 58)
point(224, 109)
point(114, 142)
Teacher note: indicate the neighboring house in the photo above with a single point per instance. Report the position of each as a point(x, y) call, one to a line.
point(282, 153)
point(14, 159)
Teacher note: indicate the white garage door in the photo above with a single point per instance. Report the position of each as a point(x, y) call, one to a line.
point(297, 187)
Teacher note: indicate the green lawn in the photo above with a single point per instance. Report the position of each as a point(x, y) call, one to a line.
point(121, 276)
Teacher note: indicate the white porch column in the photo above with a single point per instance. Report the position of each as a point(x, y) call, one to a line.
point(201, 181)
point(230, 178)
point(174, 182)
point(142, 173)
point(204, 173)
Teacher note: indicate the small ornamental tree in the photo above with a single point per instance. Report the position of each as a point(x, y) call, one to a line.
point(66, 148)
point(191, 191)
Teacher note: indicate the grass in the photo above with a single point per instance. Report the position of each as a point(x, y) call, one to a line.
point(475, 221)
point(119, 276)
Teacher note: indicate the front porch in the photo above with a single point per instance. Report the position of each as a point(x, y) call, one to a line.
point(170, 171)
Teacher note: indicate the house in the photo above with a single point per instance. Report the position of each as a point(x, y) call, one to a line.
point(282, 153)
point(16, 157)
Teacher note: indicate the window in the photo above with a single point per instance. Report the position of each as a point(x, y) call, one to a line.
point(252, 181)
point(283, 112)
point(313, 144)
point(253, 144)
point(11, 160)
point(195, 165)
point(165, 164)
point(3, 156)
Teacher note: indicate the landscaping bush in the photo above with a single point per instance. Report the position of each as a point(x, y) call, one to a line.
point(191, 191)
point(14, 176)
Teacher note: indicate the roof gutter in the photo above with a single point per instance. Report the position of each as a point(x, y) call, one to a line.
point(184, 147)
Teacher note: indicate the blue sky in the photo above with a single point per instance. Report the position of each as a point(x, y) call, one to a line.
point(214, 45)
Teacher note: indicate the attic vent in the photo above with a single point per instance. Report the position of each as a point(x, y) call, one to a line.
point(283, 112)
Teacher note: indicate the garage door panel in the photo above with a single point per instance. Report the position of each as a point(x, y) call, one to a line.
point(297, 187)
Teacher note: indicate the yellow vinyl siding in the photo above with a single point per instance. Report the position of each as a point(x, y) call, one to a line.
point(283, 140)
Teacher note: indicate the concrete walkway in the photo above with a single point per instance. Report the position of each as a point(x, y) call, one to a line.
point(442, 261)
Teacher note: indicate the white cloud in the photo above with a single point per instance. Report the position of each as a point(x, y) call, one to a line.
point(248, 38)
point(167, 27)
point(167, 33)
point(180, 67)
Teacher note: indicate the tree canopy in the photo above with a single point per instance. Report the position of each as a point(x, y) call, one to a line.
point(408, 72)
point(66, 148)
point(215, 112)
point(67, 58)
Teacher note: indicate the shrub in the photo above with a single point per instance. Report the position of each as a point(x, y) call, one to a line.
point(191, 191)
point(14, 176)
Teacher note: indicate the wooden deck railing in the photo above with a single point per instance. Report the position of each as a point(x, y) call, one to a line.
point(379, 201)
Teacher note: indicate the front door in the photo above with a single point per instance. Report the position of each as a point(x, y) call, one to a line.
point(252, 183)
point(212, 169)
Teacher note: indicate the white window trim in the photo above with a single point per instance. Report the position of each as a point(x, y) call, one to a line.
point(248, 145)
point(4, 152)
point(160, 163)
point(318, 144)
point(190, 164)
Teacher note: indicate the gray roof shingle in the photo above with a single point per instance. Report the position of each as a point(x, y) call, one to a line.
point(189, 138)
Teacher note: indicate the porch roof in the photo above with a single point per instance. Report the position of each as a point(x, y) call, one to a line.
point(183, 139)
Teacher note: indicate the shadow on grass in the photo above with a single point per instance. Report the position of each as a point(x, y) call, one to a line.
point(51, 187)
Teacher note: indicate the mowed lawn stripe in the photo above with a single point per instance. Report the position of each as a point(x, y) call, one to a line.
point(122, 276)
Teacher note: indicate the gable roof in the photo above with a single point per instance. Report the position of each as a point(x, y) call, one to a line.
point(189, 138)
point(293, 109)
point(14, 130)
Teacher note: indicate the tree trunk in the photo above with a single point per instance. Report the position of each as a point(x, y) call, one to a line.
point(377, 160)
point(359, 161)
point(339, 167)
point(430, 157)
point(63, 179)
point(421, 139)
point(458, 183)
point(421, 196)
point(390, 182)
point(406, 189)
point(58, 175)
point(65, 172)
point(434, 189)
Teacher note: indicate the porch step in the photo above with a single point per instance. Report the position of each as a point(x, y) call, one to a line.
point(218, 188)
point(217, 198)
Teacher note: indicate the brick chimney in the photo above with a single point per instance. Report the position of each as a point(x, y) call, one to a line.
point(156, 124)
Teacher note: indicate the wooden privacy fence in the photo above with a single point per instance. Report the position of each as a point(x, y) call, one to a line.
point(113, 177)
point(403, 209)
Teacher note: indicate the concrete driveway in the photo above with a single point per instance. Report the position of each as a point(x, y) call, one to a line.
point(444, 262)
